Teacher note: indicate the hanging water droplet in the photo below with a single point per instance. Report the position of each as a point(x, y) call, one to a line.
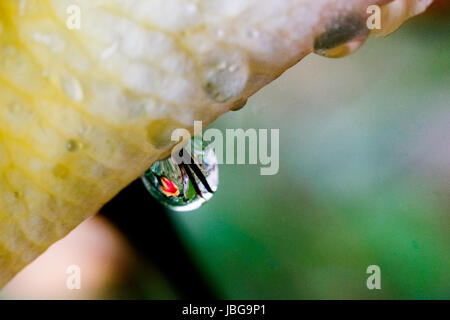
point(187, 185)
point(343, 50)
point(342, 37)
point(238, 105)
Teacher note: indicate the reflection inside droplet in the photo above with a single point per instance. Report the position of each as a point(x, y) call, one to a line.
point(185, 186)
point(342, 37)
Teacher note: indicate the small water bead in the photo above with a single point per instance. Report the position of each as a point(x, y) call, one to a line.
point(342, 37)
point(238, 105)
point(73, 145)
point(186, 186)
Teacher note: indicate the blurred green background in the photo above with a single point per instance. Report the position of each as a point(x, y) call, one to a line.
point(364, 179)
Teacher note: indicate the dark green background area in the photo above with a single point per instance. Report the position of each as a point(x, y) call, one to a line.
point(364, 179)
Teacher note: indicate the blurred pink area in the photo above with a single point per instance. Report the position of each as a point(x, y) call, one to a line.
point(95, 246)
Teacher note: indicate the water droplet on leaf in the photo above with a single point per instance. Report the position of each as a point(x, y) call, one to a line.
point(185, 186)
point(238, 105)
point(73, 145)
point(342, 37)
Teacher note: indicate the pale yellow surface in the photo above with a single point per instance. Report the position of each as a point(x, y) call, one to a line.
point(85, 112)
